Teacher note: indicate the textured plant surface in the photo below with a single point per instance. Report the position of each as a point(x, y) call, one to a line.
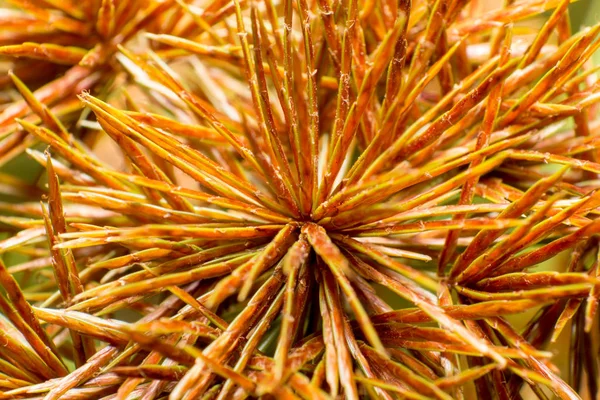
point(298, 199)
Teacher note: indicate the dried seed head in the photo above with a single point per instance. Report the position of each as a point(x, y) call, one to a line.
point(297, 199)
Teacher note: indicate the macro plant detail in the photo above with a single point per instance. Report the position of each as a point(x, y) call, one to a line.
point(235, 199)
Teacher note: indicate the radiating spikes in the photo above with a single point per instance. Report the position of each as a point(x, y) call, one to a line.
point(293, 262)
point(483, 138)
point(47, 52)
point(340, 268)
point(105, 24)
point(298, 199)
point(350, 124)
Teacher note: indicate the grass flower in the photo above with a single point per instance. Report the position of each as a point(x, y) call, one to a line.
point(292, 199)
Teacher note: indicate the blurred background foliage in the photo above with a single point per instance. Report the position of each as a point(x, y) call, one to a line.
point(585, 13)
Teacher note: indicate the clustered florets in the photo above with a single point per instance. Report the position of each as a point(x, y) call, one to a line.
point(294, 199)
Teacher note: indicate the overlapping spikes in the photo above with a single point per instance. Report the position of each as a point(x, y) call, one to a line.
point(298, 200)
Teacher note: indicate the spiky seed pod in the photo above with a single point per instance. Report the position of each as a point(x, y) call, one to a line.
point(298, 199)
